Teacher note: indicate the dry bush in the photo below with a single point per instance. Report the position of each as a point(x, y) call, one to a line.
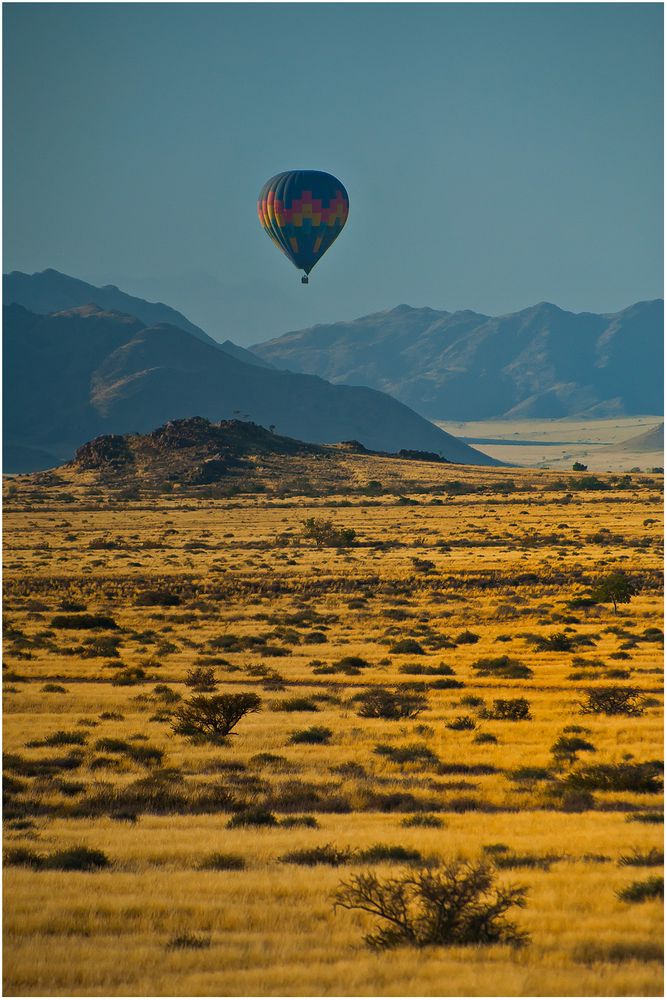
point(212, 719)
point(456, 904)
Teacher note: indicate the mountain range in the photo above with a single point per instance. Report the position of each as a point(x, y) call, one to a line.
point(541, 362)
point(89, 369)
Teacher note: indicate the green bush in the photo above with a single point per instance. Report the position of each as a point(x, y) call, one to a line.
point(466, 638)
point(326, 534)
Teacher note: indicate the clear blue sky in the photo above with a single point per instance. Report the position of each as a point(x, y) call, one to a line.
point(495, 155)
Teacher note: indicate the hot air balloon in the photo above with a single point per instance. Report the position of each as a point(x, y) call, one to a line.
point(303, 211)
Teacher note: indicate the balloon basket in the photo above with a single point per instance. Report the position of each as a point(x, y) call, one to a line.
point(304, 280)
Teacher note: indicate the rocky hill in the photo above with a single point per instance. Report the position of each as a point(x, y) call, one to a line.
point(87, 371)
point(542, 362)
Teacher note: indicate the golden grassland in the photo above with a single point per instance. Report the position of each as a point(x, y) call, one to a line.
point(275, 614)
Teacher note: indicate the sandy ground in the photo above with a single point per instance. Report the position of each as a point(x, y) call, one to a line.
point(556, 444)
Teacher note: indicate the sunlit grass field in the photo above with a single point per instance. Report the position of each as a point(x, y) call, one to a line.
point(235, 585)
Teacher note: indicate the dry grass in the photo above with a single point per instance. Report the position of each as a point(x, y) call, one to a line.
point(506, 564)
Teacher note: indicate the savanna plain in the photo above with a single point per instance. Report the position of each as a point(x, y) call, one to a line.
point(435, 679)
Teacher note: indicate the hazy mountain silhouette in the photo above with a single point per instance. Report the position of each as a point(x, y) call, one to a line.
point(541, 362)
point(50, 291)
point(87, 371)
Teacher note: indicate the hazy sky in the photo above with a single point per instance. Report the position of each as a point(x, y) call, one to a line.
point(495, 155)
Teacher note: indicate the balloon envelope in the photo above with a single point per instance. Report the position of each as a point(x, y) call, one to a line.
point(303, 211)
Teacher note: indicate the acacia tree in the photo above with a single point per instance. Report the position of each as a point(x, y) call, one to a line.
point(616, 588)
point(212, 719)
point(455, 904)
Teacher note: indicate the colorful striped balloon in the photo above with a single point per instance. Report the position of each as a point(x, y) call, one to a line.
point(303, 211)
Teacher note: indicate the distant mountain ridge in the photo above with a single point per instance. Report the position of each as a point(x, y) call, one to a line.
point(541, 362)
point(87, 371)
point(51, 291)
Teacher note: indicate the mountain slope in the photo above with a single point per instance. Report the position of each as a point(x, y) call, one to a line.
point(50, 291)
point(652, 440)
point(83, 372)
point(541, 362)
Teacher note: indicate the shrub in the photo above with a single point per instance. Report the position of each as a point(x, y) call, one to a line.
point(412, 753)
point(485, 738)
point(645, 777)
point(557, 642)
point(71, 859)
point(54, 689)
point(616, 588)
point(379, 703)
point(220, 862)
point(289, 822)
point(83, 622)
point(643, 859)
point(196, 942)
point(389, 852)
point(76, 859)
point(327, 854)
point(61, 738)
point(645, 817)
point(157, 599)
point(253, 816)
point(325, 533)
point(421, 669)
point(613, 701)
point(315, 734)
point(566, 748)
point(590, 952)
point(22, 857)
point(128, 677)
point(201, 679)
point(462, 723)
point(639, 892)
point(504, 858)
point(407, 646)
point(294, 705)
point(455, 904)
point(212, 719)
point(501, 666)
point(423, 819)
point(508, 709)
point(466, 638)
point(166, 694)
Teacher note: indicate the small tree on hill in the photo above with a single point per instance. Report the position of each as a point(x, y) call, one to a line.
point(616, 588)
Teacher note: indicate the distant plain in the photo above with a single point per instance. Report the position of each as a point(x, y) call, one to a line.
point(557, 444)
